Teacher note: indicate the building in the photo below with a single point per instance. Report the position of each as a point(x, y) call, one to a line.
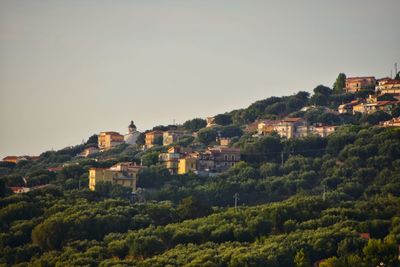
point(347, 108)
point(205, 161)
point(355, 84)
point(89, 151)
point(287, 127)
point(372, 106)
point(395, 122)
point(224, 157)
point(171, 158)
point(187, 164)
point(16, 159)
point(108, 140)
point(210, 121)
point(252, 128)
point(388, 86)
point(11, 159)
point(265, 126)
point(323, 130)
point(224, 141)
point(152, 137)
point(173, 136)
point(124, 173)
point(131, 137)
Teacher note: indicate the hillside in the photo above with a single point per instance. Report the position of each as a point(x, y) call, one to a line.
point(300, 200)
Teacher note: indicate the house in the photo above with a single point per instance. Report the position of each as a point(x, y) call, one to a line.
point(173, 136)
point(323, 130)
point(124, 173)
point(395, 122)
point(11, 159)
point(388, 86)
point(20, 189)
point(171, 158)
point(252, 127)
point(224, 157)
point(224, 141)
point(89, 151)
point(210, 121)
point(131, 137)
point(108, 140)
point(206, 161)
point(347, 108)
point(152, 137)
point(265, 126)
point(16, 159)
point(355, 84)
point(287, 127)
point(187, 164)
point(386, 106)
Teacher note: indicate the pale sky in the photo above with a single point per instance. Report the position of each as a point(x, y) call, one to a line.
point(72, 68)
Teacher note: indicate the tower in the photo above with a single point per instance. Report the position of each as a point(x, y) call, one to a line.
point(132, 127)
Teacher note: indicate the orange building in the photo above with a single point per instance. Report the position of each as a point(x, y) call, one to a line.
point(107, 140)
point(151, 137)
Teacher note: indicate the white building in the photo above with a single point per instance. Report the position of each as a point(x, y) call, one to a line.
point(132, 136)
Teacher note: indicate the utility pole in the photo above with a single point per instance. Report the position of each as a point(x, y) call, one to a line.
point(236, 197)
point(282, 158)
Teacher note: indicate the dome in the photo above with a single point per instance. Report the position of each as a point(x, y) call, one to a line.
point(132, 127)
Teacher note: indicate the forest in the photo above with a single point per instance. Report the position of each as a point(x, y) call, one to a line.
point(333, 200)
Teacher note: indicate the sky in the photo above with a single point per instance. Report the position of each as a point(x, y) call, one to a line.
point(72, 68)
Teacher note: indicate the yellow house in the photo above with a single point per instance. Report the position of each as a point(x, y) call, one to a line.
point(124, 174)
point(107, 140)
point(187, 165)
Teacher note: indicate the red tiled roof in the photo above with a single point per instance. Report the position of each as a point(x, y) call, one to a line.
point(10, 158)
point(359, 78)
point(292, 119)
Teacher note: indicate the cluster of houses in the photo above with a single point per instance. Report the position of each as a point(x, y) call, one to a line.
point(212, 161)
point(384, 86)
point(290, 128)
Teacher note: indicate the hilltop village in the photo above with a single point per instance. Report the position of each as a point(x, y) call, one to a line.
point(310, 179)
point(180, 148)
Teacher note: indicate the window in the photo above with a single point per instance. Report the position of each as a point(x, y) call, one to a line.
point(233, 157)
point(226, 157)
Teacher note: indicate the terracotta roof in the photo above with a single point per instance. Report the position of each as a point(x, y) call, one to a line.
point(393, 82)
point(359, 78)
point(387, 102)
point(292, 119)
point(10, 158)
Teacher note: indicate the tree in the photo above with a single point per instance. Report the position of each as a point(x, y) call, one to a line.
point(141, 139)
point(207, 135)
point(223, 119)
point(323, 90)
point(339, 84)
point(190, 207)
point(150, 158)
point(376, 117)
point(301, 260)
point(195, 124)
point(93, 140)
